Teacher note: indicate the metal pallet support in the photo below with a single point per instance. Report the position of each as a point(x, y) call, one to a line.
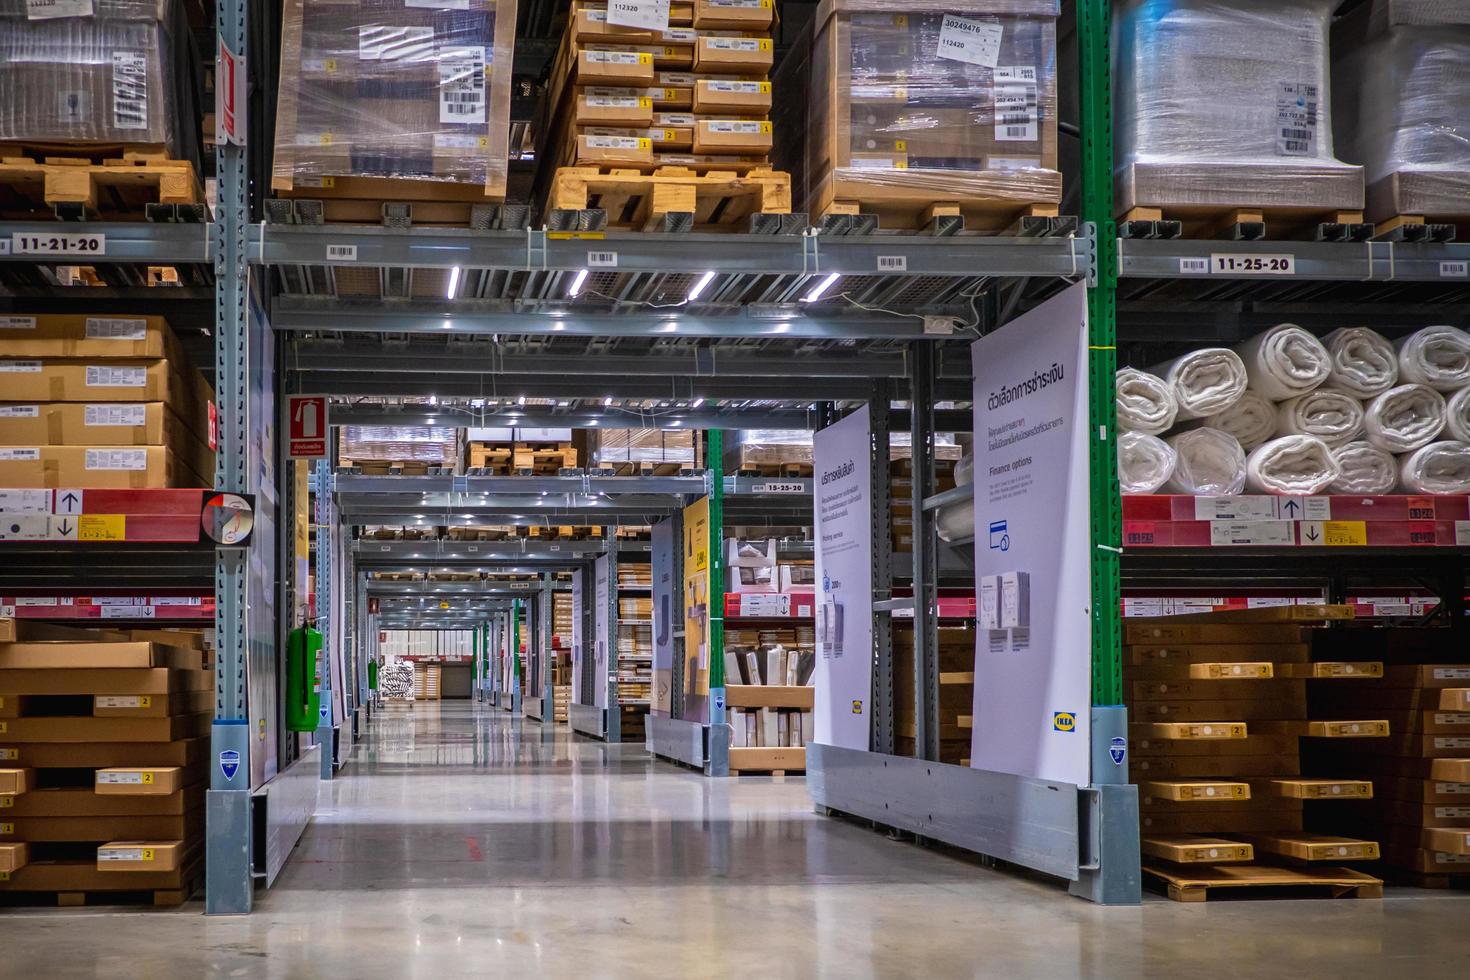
point(545, 690)
point(925, 566)
point(718, 756)
point(882, 731)
point(614, 725)
point(676, 682)
point(325, 622)
point(515, 656)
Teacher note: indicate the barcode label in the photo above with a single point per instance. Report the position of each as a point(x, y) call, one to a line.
point(744, 88)
point(124, 854)
point(1194, 267)
point(650, 15)
point(20, 367)
point(616, 142)
point(1017, 113)
point(120, 701)
point(893, 263)
point(618, 102)
point(20, 411)
point(11, 454)
point(116, 328)
point(129, 90)
point(115, 415)
point(341, 253)
point(1454, 270)
point(117, 459)
point(462, 85)
point(17, 323)
point(1296, 120)
point(602, 260)
point(111, 376)
point(120, 778)
point(617, 57)
point(674, 119)
point(127, 612)
point(737, 126)
point(737, 44)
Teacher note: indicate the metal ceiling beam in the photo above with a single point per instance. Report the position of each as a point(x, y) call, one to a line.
point(614, 417)
point(483, 486)
point(373, 553)
point(491, 385)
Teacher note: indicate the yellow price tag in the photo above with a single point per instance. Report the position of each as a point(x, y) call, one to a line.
point(147, 779)
point(331, 66)
point(901, 146)
point(764, 88)
point(102, 527)
point(1345, 533)
point(901, 93)
point(4, 875)
point(147, 854)
point(9, 755)
point(645, 59)
point(765, 129)
point(764, 45)
point(329, 182)
point(644, 102)
point(765, 4)
point(325, 139)
point(670, 52)
point(645, 144)
point(4, 727)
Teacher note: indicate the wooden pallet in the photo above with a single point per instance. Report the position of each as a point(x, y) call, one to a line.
point(1416, 228)
point(774, 469)
point(395, 202)
point(522, 458)
point(669, 198)
point(644, 469)
point(909, 210)
point(766, 760)
point(1245, 224)
point(112, 181)
point(28, 886)
point(1196, 884)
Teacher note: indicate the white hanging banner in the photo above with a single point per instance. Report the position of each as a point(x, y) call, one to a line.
point(1033, 657)
point(665, 602)
point(600, 638)
point(844, 571)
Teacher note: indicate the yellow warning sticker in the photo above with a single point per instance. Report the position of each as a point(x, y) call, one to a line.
point(102, 527)
point(1345, 533)
point(4, 727)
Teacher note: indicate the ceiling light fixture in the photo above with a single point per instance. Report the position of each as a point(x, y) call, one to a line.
point(821, 288)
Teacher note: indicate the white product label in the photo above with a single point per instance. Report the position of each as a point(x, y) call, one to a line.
point(50, 243)
point(736, 43)
point(652, 15)
point(1229, 264)
point(602, 260)
point(127, 612)
point(739, 4)
point(20, 411)
point(116, 376)
point(781, 487)
point(617, 57)
point(975, 42)
point(1012, 163)
point(17, 323)
point(1194, 267)
point(117, 459)
point(115, 415)
point(1296, 120)
point(742, 88)
point(1229, 533)
point(674, 119)
point(119, 701)
point(120, 778)
point(1452, 718)
point(382, 43)
point(877, 163)
point(617, 102)
point(1451, 812)
point(175, 600)
point(737, 126)
point(765, 605)
point(438, 4)
point(1452, 743)
point(45, 601)
point(1017, 111)
point(116, 328)
point(1451, 673)
point(1248, 508)
point(893, 263)
point(123, 853)
point(1452, 789)
point(25, 501)
point(1442, 858)
point(52, 9)
point(20, 367)
point(129, 90)
point(675, 78)
point(1462, 533)
point(680, 35)
point(1454, 270)
point(460, 141)
point(462, 85)
point(616, 142)
point(341, 253)
point(10, 454)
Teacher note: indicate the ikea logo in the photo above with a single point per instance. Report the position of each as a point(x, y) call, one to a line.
point(1063, 721)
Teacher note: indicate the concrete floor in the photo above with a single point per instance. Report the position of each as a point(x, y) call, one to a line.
point(457, 844)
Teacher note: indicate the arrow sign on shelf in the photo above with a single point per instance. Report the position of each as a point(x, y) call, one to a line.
point(68, 502)
point(1312, 534)
point(1291, 507)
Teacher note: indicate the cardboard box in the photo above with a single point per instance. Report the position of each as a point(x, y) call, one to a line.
point(151, 705)
point(81, 335)
point(140, 856)
point(15, 781)
point(139, 780)
point(12, 630)
point(743, 55)
point(1183, 654)
point(100, 755)
point(97, 424)
point(752, 565)
point(68, 654)
point(1318, 789)
point(741, 136)
point(797, 578)
point(1214, 767)
point(732, 96)
point(83, 876)
point(81, 801)
point(740, 15)
point(611, 66)
point(13, 857)
point(1202, 791)
point(1193, 849)
point(1424, 790)
point(1436, 676)
point(98, 380)
point(1446, 841)
point(1318, 847)
point(1156, 633)
point(97, 467)
point(614, 149)
point(58, 829)
point(608, 106)
point(670, 138)
point(72, 729)
point(130, 680)
point(590, 24)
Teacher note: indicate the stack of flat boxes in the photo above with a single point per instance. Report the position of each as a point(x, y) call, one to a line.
point(696, 95)
point(635, 638)
point(657, 446)
point(106, 743)
point(100, 402)
point(956, 690)
point(780, 657)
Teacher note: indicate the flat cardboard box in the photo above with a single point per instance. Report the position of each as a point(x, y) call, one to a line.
point(71, 729)
point(1426, 675)
point(139, 780)
point(745, 55)
point(103, 424)
point(1424, 790)
point(83, 876)
point(1446, 841)
point(1155, 633)
point(13, 857)
point(99, 755)
point(14, 781)
point(1318, 847)
point(1335, 670)
point(70, 655)
point(122, 680)
point(606, 106)
point(743, 136)
point(1430, 721)
point(1193, 690)
point(1165, 653)
point(590, 24)
point(138, 855)
point(96, 468)
point(740, 15)
point(55, 829)
point(736, 97)
point(1202, 791)
point(81, 801)
point(1144, 742)
point(1318, 789)
point(1197, 849)
point(1264, 710)
point(614, 149)
point(1218, 821)
point(1441, 815)
point(1454, 699)
point(1197, 730)
point(13, 630)
point(151, 705)
point(1426, 861)
point(104, 380)
point(1214, 767)
point(662, 138)
point(614, 67)
point(85, 335)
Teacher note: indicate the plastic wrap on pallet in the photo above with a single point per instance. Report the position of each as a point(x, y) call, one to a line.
point(393, 443)
point(946, 447)
point(1403, 98)
point(769, 447)
point(644, 446)
point(383, 89)
point(121, 75)
point(1226, 103)
point(884, 102)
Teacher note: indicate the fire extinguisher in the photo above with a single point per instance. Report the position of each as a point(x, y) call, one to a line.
point(372, 675)
point(303, 679)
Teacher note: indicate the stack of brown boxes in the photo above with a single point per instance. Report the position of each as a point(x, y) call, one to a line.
point(1421, 773)
point(106, 739)
point(635, 451)
point(1217, 706)
point(694, 95)
point(635, 638)
point(956, 691)
point(768, 688)
point(101, 402)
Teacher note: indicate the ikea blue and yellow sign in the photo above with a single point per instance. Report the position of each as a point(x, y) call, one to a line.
point(1063, 721)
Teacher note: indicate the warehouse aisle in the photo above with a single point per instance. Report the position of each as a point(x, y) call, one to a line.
point(457, 844)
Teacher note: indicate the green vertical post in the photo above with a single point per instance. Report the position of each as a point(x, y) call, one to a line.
point(515, 641)
point(716, 464)
point(1102, 318)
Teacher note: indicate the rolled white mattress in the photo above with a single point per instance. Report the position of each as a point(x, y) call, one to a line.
point(1435, 356)
point(1335, 417)
point(1457, 416)
point(1251, 420)
point(1145, 462)
point(1291, 465)
point(1284, 362)
point(1205, 382)
point(1363, 362)
point(1404, 418)
point(1364, 468)
point(1210, 463)
point(1146, 402)
point(1440, 467)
